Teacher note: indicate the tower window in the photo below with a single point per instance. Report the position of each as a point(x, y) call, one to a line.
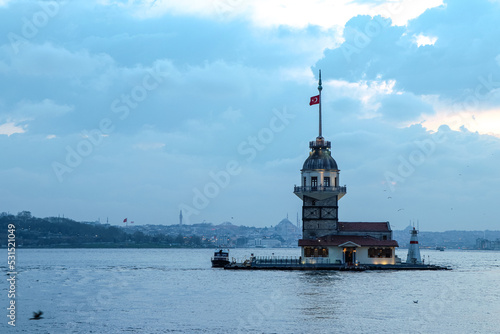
point(326, 181)
point(304, 181)
point(314, 182)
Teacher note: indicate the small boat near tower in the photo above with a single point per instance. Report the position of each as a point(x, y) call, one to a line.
point(220, 259)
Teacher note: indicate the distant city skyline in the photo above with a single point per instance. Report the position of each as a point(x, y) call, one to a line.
point(113, 109)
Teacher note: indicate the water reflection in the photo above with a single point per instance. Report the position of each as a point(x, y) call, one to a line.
point(317, 295)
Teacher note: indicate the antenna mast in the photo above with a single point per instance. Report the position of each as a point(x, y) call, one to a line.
point(320, 88)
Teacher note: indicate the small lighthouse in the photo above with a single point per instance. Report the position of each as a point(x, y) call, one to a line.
point(414, 250)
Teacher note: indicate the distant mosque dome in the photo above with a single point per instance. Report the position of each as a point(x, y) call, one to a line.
point(320, 159)
point(284, 222)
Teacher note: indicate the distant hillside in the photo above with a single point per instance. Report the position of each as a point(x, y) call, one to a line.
point(54, 232)
point(62, 232)
point(448, 239)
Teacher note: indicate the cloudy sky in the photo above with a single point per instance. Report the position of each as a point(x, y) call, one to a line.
point(138, 109)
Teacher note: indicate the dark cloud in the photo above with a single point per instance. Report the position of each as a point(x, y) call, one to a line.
point(465, 50)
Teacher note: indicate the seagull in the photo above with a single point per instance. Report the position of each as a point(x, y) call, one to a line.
point(400, 209)
point(415, 301)
point(37, 315)
point(389, 197)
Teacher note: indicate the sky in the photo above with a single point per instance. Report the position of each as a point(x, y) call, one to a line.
point(140, 109)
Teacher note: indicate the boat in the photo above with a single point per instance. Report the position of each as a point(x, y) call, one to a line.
point(439, 248)
point(220, 259)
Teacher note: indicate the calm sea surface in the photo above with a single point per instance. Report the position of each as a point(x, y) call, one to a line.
point(176, 291)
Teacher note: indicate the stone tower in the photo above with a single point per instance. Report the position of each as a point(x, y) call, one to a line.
point(319, 189)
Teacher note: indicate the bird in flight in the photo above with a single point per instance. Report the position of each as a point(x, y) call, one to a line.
point(37, 315)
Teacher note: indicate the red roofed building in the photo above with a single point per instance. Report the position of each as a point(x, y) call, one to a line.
point(324, 238)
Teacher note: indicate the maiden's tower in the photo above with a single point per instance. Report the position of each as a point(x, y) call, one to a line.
point(327, 243)
point(324, 238)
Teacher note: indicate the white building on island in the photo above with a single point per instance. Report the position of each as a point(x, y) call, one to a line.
point(324, 238)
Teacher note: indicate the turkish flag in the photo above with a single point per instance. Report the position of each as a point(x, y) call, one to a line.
point(314, 100)
point(125, 220)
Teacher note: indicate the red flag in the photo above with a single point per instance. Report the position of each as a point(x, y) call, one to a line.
point(125, 220)
point(314, 100)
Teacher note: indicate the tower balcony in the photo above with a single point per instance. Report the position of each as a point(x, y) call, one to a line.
point(320, 143)
point(319, 192)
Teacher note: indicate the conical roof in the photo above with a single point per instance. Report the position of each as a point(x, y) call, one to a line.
point(320, 159)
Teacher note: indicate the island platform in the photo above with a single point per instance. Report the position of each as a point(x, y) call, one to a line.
point(291, 263)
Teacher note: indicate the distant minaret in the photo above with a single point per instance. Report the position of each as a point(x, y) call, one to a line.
point(180, 218)
point(414, 250)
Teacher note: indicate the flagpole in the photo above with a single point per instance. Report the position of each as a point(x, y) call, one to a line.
point(320, 89)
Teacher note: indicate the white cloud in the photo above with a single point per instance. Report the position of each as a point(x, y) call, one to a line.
point(293, 13)
point(11, 128)
point(330, 14)
point(369, 92)
point(422, 40)
point(483, 122)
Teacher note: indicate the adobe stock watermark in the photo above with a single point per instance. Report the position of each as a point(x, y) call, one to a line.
point(264, 310)
point(248, 150)
point(480, 93)
point(121, 107)
point(372, 29)
point(31, 26)
point(93, 294)
point(446, 294)
point(407, 165)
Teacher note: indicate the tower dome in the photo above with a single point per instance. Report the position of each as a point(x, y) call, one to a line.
point(320, 159)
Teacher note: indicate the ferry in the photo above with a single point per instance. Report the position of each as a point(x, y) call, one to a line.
point(220, 259)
